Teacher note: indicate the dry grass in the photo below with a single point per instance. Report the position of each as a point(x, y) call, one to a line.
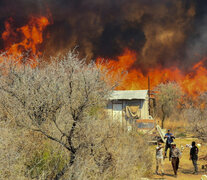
point(178, 127)
point(175, 124)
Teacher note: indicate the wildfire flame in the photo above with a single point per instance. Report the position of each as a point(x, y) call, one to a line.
point(28, 38)
point(25, 39)
point(192, 83)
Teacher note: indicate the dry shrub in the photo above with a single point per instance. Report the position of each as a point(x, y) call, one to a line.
point(110, 152)
point(55, 100)
point(16, 147)
point(63, 102)
point(45, 162)
point(28, 155)
point(196, 114)
point(114, 154)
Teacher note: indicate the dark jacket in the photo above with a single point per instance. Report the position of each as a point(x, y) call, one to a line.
point(169, 137)
point(194, 153)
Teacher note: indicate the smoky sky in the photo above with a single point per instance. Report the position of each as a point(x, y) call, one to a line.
point(162, 32)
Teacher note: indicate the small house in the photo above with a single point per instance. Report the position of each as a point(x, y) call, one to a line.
point(130, 107)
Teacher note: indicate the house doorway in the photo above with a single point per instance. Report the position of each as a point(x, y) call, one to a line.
point(117, 112)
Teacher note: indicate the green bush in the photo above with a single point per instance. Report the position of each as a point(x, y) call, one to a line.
point(45, 163)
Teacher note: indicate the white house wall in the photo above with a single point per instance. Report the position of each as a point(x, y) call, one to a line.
point(117, 108)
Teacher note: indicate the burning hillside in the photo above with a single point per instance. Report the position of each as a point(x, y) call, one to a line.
point(25, 40)
point(164, 40)
point(27, 37)
point(192, 82)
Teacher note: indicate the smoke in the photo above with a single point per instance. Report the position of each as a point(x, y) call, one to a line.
point(162, 32)
point(196, 44)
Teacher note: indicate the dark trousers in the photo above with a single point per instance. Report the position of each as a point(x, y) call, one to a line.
point(175, 164)
point(166, 148)
point(195, 165)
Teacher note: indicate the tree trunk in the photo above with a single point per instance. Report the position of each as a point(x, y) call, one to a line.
point(61, 173)
point(163, 116)
point(163, 119)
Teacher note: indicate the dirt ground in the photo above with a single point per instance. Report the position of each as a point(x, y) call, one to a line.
point(185, 171)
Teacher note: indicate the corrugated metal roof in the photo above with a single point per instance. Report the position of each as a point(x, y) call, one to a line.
point(129, 94)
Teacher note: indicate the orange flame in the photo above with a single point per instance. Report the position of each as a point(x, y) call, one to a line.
point(192, 83)
point(31, 37)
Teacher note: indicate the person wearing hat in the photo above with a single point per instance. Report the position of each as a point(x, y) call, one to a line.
point(159, 158)
point(175, 155)
point(194, 156)
point(169, 140)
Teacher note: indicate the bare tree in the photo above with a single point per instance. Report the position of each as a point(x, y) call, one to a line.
point(56, 100)
point(63, 101)
point(167, 99)
point(196, 114)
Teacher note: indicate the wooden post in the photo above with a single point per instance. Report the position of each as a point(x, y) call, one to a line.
point(149, 95)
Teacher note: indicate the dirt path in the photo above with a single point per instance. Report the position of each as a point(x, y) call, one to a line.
point(185, 171)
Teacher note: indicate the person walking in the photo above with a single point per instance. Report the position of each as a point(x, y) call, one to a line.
point(169, 140)
point(159, 158)
point(175, 155)
point(194, 156)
